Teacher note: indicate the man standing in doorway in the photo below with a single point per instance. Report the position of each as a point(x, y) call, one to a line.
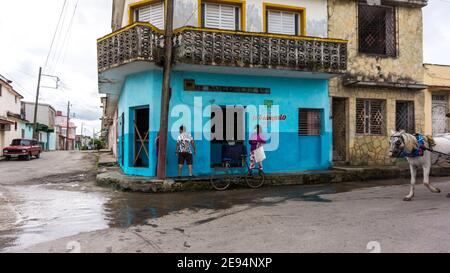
point(185, 145)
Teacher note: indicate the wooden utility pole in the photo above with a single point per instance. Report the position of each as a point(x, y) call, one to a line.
point(68, 125)
point(165, 96)
point(36, 105)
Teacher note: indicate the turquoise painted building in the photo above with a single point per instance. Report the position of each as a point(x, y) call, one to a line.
point(47, 137)
point(141, 94)
point(265, 72)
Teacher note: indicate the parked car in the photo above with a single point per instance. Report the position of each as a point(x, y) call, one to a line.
point(22, 149)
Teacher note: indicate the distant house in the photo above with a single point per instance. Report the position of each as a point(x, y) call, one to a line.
point(45, 124)
point(11, 120)
point(437, 98)
point(61, 132)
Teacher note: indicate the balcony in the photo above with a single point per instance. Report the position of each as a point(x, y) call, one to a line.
point(139, 47)
point(259, 50)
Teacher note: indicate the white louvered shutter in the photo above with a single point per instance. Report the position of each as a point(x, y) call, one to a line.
point(282, 22)
point(153, 14)
point(220, 16)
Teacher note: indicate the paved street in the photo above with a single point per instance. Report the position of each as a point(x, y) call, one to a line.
point(51, 204)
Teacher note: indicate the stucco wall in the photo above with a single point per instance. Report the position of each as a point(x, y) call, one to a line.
point(294, 153)
point(373, 150)
point(406, 67)
point(186, 14)
point(9, 102)
point(112, 135)
point(45, 115)
point(437, 77)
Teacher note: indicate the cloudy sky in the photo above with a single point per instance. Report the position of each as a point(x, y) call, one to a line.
point(25, 43)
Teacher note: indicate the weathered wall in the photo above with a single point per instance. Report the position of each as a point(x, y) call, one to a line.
point(118, 10)
point(9, 102)
point(373, 150)
point(406, 67)
point(186, 14)
point(437, 77)
point(46, 114)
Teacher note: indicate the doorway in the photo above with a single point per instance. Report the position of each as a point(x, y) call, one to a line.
point(339, 116)
point(141, 125)
point(228, 134)
point(439, 112)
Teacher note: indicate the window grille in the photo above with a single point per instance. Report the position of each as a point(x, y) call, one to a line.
point(309, 122)
point(377, 30)
point(404, 116)
point(370, 117)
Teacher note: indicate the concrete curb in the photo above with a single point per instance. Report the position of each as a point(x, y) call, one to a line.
point(114, 177)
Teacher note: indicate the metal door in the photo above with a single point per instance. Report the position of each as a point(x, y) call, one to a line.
point(439, 111)
point(339, 129)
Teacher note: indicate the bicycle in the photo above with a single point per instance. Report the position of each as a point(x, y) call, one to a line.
point(229, 176)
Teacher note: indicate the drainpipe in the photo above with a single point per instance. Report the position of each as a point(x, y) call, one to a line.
point(165, 96)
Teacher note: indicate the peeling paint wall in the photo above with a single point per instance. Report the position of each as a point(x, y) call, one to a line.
point(406, 67)
point(186, 14)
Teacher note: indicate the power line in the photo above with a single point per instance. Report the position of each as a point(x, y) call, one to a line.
point(58, 39)
point(56, 31)
point(15, 82)
point(67, 37)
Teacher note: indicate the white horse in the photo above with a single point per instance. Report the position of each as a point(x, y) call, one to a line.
point(402, 142)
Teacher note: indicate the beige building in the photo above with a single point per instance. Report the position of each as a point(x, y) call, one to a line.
point(437, 98)
point(383, 89)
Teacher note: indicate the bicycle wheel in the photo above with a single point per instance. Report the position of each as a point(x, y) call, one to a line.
point(255, 181)
point(222, 182)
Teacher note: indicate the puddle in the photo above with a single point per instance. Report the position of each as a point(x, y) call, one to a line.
point(49, 212)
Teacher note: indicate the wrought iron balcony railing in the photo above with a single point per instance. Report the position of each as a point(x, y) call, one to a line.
point(143, 42)
point(260, 50)
point(137, 42)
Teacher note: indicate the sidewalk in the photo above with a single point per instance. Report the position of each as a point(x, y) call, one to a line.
point(114, 177)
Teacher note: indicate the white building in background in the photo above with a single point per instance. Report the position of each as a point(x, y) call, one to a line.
point(11, 120)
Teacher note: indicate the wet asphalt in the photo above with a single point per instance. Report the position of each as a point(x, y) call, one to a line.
point(64, 201)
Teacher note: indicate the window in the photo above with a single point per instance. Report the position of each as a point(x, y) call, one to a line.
point(1, 86)
point(23, 133)
point(280, 19)
point(370, 117)
point(150, 13)
point(404, 116)
point(309, 122)
point(377, 28)
point(221, 16)
point(15, 126)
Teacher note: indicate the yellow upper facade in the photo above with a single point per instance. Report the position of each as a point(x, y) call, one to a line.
point(437, 76)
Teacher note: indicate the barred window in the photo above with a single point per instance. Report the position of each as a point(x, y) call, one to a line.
point(309, 122)
point(404, 116)
point(377, 30)
point(370, 117)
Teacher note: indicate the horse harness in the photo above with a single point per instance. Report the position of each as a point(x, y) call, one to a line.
point(418, 152)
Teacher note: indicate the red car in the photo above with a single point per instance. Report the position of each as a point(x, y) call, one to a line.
point(22, 148)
